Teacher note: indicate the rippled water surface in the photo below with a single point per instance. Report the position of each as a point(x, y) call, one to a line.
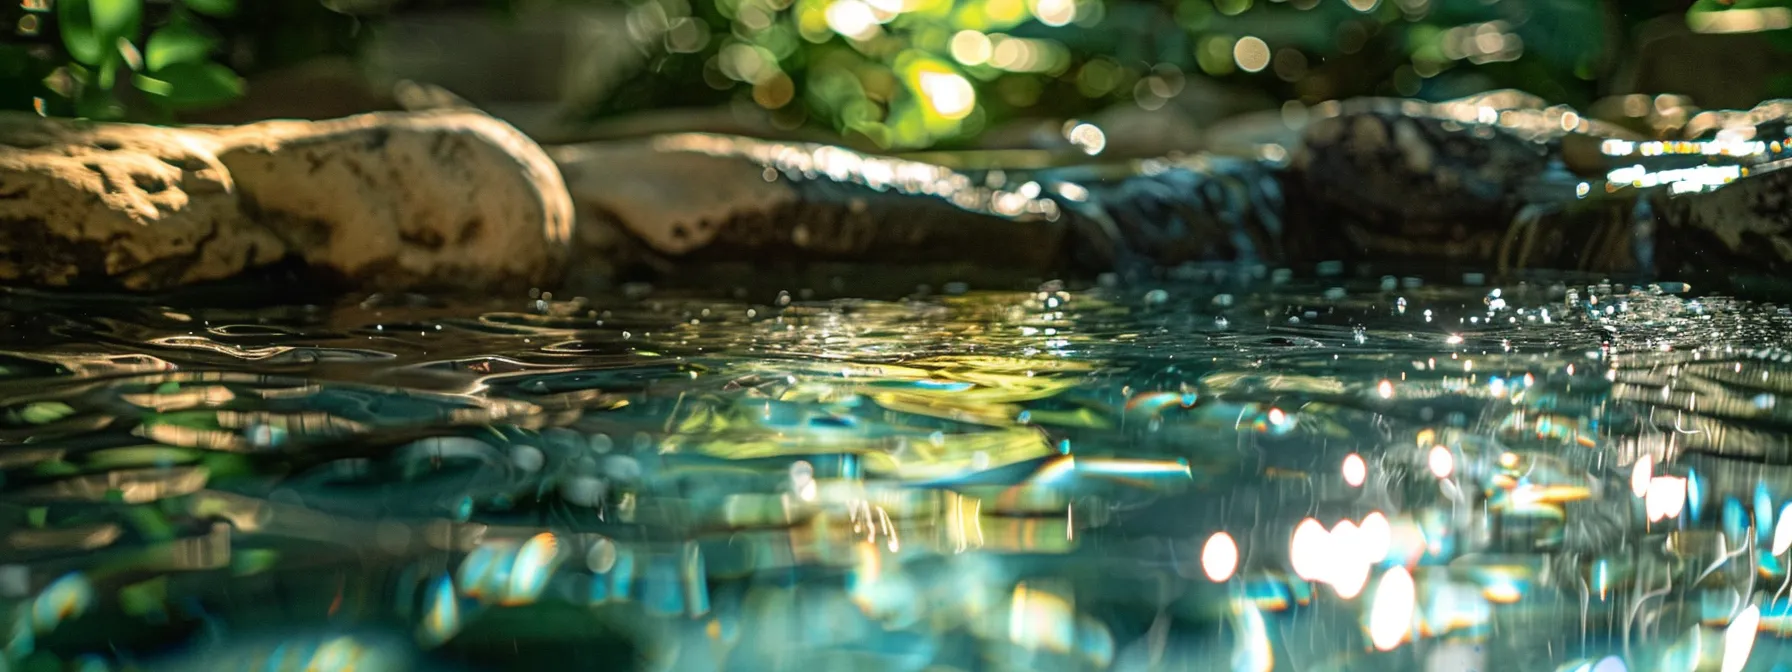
point(1382, 475)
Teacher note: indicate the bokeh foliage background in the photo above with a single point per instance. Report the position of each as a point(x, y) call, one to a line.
point(901, 74)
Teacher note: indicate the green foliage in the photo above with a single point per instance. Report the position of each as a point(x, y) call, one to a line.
point(187, 85)
point(890, 70)
point(906, 74)
point(91, 29)
point(217, 8)
point(114, 64)
point(177, 42)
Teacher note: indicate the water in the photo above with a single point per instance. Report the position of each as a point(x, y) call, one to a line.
point(1378, 474)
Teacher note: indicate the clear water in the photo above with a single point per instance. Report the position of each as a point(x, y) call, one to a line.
point(1380, 475)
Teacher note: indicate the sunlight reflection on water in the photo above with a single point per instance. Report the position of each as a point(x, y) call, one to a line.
point(1151, 478)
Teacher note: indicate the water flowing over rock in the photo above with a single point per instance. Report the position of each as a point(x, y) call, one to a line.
point(393, 200)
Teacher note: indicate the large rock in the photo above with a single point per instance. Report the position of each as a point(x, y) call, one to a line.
point(387, 200)
point(680, 203)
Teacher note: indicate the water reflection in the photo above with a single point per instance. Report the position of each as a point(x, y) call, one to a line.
point(1384, 476)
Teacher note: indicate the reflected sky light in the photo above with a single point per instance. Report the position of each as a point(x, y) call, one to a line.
point(1441, 461)
point(1391, 609)
point(1219, 557)
point(1308, 550)
point(1640, 475)
point(1355, 471)
point(1665, 498)
point(1739, 639)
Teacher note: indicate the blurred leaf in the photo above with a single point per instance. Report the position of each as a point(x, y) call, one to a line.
point(149, 523)
point(144, 598)
point(108, 74)
point(44, 412)
point(177, 42)
point(187, 419)
point(84, 45)
point(113, 19)
point(253, 561)
point(217, 8)
point(199, 84)
point(91, 28)
point(152, 86)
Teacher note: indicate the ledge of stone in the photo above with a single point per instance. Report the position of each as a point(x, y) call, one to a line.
point(388, 200)
point(677, 202)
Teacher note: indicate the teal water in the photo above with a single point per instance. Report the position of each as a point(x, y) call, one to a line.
point(1376, 474)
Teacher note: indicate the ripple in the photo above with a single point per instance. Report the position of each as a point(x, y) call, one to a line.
point(1575, 473)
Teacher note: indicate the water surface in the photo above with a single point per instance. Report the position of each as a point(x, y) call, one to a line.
point(1209, 474)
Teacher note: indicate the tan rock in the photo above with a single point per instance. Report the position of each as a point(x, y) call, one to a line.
point(697, 198)
point(675, 202)
point(388, 200)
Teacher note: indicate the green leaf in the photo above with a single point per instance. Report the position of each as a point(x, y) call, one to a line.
point(85, 45)
point(113, 19)
point(108, 74)
point(199, 84)
point(218, 8)
point(251, 561)
point(188, 419)
point(177, 42)
point(149, 523)
point(91, 28)
point(45, 412)
point(144, 598)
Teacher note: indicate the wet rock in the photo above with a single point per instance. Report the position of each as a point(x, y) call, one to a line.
point(1744, 224)
point(389, 200)
point(673, 202)
point(683, 202)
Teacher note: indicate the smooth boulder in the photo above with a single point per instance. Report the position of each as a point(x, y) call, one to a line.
point(391, 200)
point(677, 203)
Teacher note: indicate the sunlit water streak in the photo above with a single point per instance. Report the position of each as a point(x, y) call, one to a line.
point(1285, 476)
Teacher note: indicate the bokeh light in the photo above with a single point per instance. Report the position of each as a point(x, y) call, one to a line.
point(1739, 639)
point(852, 18)
point(1086, 136)
point(1441, 461)
point(1640, 475)
point(1309, 549)
point(1251, 53)
point(970, 47)
point(1391, 609)
point(948, 94)
point(1219, 557)
point(1355, 470)
point(1054, 12)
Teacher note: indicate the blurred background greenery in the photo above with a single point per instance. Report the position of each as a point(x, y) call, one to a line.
point(883, 74)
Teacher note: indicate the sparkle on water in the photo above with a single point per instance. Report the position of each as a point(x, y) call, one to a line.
point(1206, 475)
